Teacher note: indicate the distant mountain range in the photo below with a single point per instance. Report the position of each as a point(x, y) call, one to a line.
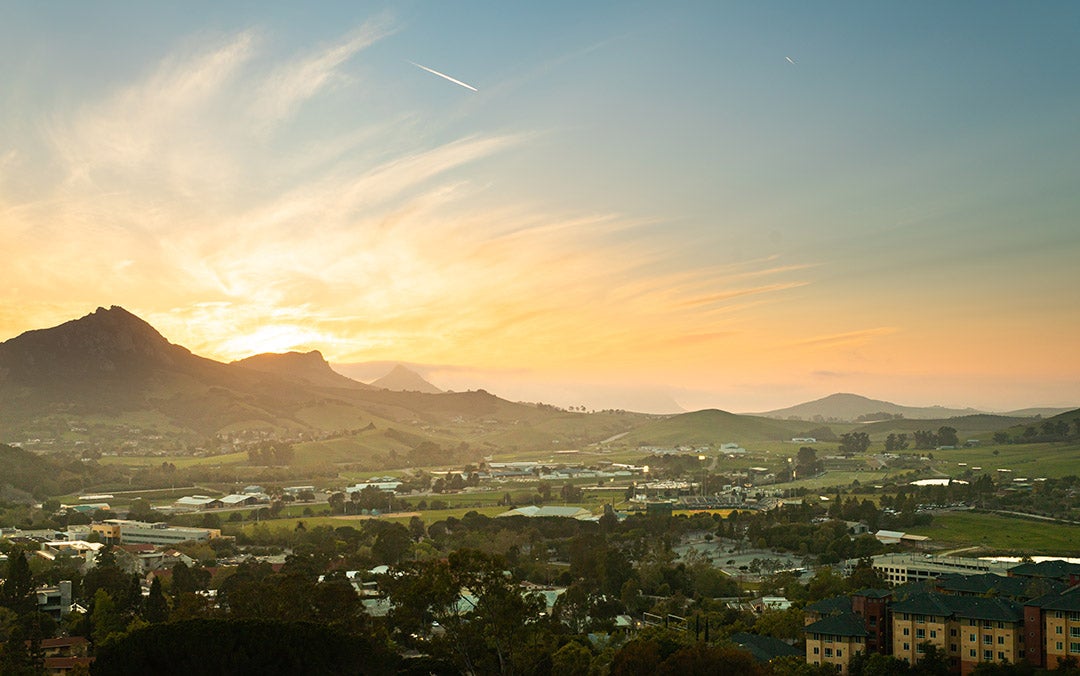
point(110, 378)
point(112, 369)
point(845, 407)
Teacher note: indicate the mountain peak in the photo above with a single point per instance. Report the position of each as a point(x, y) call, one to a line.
point(308, 366)
point(402, 379)
point(105, 342)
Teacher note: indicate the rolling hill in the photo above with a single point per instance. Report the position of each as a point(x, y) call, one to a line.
point(110, 375)
point(845, 407)
point(712, 426)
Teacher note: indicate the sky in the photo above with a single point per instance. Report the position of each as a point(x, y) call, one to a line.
point(641, 205)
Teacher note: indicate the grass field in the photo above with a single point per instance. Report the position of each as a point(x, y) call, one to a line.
point(179, 460)
point(1025, 460)
point(429, 517)
point(835, 478)
point(1004, 534)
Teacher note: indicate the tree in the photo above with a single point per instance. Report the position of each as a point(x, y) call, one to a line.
point(571, 493)
point(17, 592)
point(157, 606)
point(946, 436)
point(852, 443)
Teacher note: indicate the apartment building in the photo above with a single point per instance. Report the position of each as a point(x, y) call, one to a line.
point(835, 640)
point(967, 629)
point(1052, 628)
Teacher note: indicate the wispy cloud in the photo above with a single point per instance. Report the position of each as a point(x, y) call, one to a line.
point(849, 338)
point(291, 84)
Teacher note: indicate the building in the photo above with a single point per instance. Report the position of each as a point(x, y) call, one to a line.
point(835, 640)
point(123, 531)
point(54, 601)
point(1052, 628)
point(903, 568)
point(967, 629)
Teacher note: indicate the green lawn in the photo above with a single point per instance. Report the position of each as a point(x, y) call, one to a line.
point(1025, 460)
point(1011, 535)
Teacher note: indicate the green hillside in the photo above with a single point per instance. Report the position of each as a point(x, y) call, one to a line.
point(713, 426)
point(966, 426)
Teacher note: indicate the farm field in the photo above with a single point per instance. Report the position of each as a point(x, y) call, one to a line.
point(1025, 460)
point(1003, 534)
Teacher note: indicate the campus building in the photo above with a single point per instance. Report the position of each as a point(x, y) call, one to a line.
point(123, 531)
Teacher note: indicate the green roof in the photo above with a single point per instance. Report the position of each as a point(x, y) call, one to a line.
point(970, 607)
point(763, 648)
point(838, 625)
point(983, 583)
point(1066, 600)
point(1056, 569)
point(873, 593)
point(831, 606)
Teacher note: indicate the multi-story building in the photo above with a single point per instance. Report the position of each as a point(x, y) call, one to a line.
point(123, 531)
point(903, 568)
point(835, 640)
point(967, 629)
point(1052, 628)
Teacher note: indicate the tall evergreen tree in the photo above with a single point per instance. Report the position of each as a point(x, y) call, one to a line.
point(156, 608)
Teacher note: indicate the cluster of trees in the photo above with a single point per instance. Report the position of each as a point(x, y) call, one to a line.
point(928, 439)
point(1055, 429)
point(271, 453)
point(853, 443)
point(896, 442)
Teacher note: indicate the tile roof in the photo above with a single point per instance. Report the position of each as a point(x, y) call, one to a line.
point(972, 607)
point(1065, 600)
point(1056, 569)
point(831, 606)
point(838, 625)
point(763, 648)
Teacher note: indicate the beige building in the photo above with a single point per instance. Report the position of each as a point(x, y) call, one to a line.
point(835, 640)
point(967, 629)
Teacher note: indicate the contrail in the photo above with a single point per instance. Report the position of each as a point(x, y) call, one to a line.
point(786, 57)
point(445, 76)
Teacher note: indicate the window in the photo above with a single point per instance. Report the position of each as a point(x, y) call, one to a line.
point(933, 634)
point(1060, 646)
point(972, 652)
point(921, 648)
point(817, 650)
point(907, 646)
point(873, 621)
point(828, 652)
point(1074, 647)
point(839, 653)
point(920, 633)
point(1074, 632)
point(988, 655)
point(952, 632)
point(952, 647)
point(1001, 625)
point(1057, 614)
point(988, 640)
point(1001, 655)
point(1058, 629)
point(971, 637)
point(987, 624)
point(906, 631)
point(1001, 640)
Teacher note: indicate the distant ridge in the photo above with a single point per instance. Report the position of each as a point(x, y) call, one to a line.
point(846, 407)
point(310, 367)
point(401, 379)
